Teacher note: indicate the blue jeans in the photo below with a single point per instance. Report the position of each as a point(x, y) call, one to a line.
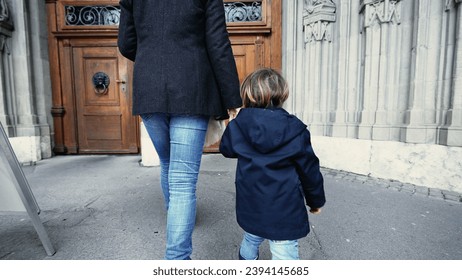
point(280, 250)
point(179, 142)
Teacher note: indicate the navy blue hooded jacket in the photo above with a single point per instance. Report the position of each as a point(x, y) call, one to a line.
point(277, 173)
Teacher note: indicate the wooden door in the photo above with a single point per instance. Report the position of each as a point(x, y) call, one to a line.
point(82, 42)
point(82, 37)
point(104, 120)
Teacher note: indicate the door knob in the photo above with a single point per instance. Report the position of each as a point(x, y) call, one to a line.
point(123, 83)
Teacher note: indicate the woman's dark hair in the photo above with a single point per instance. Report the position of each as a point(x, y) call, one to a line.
point(264, 88)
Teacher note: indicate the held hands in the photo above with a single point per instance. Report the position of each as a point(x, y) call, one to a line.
point(315, 210)
point(232, 113)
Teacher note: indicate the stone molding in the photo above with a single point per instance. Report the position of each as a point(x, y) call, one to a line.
point(317, 16)
point(5, 21)
point(4, 14)
point(450, 4)
point(380, 11)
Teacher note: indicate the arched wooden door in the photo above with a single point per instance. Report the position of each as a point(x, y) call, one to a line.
point(91, 118)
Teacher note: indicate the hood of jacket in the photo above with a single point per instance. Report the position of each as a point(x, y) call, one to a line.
point(268, 129)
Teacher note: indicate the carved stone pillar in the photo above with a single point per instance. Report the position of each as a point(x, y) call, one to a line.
point(428, 73)
point(24, 111)
point(381, 51)
point(25, 79)
point(6, 95)
point(348, 85)
point(452, 135)
point(319, 81)
point(317, 16)
point(292, 45)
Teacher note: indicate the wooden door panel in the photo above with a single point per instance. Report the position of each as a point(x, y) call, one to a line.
point(100, 61)
point(103, 127)
point(246, 59)
point(104, 122)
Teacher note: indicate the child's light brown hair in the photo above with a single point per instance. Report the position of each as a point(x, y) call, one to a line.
point(264, 88)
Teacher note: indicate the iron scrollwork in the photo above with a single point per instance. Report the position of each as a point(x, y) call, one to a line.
point(243, 11)
point(92, 15)
point(110, 15)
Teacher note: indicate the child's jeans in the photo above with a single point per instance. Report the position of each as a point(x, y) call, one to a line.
point(280, 250)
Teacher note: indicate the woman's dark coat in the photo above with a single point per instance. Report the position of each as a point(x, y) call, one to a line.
point(277, 173)
point(183, 58)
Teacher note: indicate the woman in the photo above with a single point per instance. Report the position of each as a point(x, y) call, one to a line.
point(184, 73)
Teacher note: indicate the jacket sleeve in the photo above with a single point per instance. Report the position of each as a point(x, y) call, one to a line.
point(127, 39)
point(226, 144)
point(221, 54)
point(307, 164)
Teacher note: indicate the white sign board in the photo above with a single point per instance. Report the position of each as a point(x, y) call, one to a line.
point(15, 193)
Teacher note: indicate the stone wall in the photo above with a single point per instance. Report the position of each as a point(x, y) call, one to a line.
point(6, 31)
point(25, 87)
point(379, 82)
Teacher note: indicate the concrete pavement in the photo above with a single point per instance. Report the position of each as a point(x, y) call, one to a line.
point(109, 207)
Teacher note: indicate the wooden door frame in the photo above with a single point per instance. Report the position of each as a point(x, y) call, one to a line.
point(61, 40)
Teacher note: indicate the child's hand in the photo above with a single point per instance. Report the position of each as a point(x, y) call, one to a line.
point(232, 113)
point(315, 210)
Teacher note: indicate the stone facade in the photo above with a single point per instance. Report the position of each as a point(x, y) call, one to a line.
point(25, 87)
point(379, 82)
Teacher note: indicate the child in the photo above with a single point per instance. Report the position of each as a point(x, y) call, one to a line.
point(277, 170)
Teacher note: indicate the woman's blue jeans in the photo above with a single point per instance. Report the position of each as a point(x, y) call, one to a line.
point(179, 142)
point(280, 250)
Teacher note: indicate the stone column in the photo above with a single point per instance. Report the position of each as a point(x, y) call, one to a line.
point(292, 45)
point(348, 86)
point(381, 43)
point(428, 67)
point(26, 117)
point(28, 91)
point(40, 70)
point(452, 136)
point(319, 81)
point(6, 29)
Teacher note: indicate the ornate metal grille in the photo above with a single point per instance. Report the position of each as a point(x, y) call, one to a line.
point(243, 11)
point(110, 15)
point(92, 15)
